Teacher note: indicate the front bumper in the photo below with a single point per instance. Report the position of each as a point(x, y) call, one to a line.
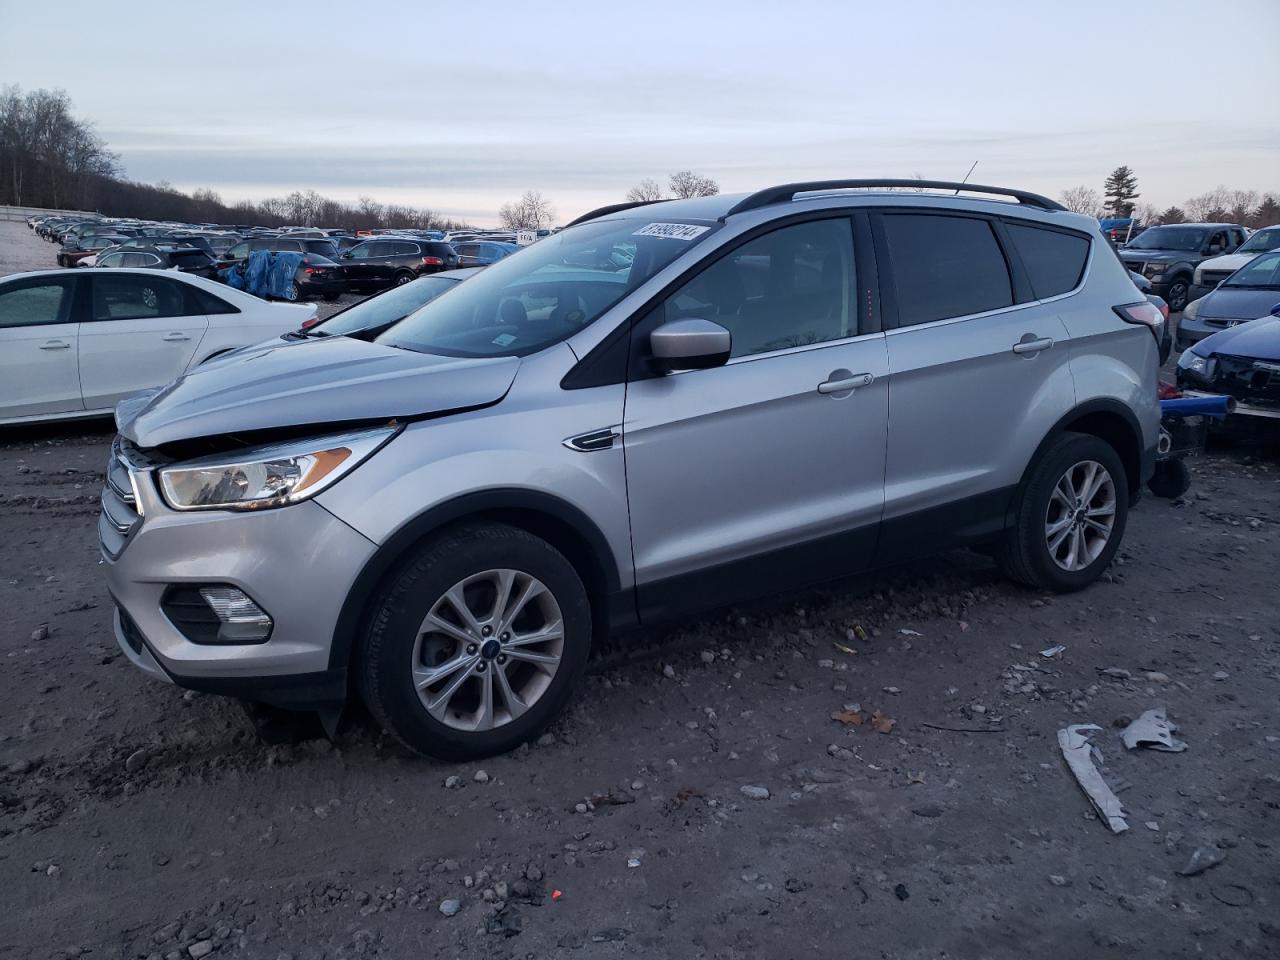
point(298, 563)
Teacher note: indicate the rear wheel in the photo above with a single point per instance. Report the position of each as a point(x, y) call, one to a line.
point(1070, 516)
point(476, 643)
point(1170, 480)
point(294, 292)
point(403, 278)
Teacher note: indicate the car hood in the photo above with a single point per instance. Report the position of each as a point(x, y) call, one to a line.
point(1230, 261)
point(1229, 303)
point(1156, 256)
point(319, 382)
point(1257, 340)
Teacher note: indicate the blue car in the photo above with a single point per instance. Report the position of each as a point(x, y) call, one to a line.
point(1242, 358)
point(1247, 294)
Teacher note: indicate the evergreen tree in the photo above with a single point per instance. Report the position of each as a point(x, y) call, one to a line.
point(1121, 190)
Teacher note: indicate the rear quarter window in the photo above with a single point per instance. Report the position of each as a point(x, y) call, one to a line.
point(1054, 260)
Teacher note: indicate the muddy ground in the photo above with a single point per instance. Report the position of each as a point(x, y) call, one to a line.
point(137, 820)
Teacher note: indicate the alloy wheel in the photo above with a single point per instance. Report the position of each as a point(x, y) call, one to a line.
point(1081, 515)
point(488, 650)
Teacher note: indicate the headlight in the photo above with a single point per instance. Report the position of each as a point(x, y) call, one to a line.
point(1192, 362)
point(271, 476)
point(1153, 270)
point(1192, 310)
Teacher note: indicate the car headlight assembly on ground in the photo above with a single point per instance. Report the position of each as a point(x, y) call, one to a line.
point(1191, 362)
point(269, 476)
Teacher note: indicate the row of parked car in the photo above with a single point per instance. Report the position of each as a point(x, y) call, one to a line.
point(332, 262)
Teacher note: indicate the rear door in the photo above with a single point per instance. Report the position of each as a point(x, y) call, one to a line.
point(141, 331)
point(757, 475)
point(39, 372)
point(979, 374)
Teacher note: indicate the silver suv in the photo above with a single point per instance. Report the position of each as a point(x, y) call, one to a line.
point(661, 409)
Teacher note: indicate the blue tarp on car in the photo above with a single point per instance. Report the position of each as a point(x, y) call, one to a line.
point(265, 274)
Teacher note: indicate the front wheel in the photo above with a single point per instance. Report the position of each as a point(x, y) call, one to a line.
point(1177, 296)
point(1070, 516)
point(476, 643)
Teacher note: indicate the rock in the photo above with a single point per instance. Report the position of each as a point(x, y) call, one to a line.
point(668, 671)
point(136, 761)
point(201, 948)
point(893, 690)
point(1058, 880)
point(533, 873)
point(1202, 859)
point(929, 810)
point(452, 782)
point(901, 892)
point(1220, 675)
point(546, 740)
point(481, 777)
point(754, 792)
point(708, 657)
point(839, 752)
point(1155, 676)
point(450, 907)
point(21, 767)
point(637, 785)
point(609, 935)
point(1118, 673)
point(40, 633)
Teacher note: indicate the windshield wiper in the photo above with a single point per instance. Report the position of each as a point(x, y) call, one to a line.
point(1252, 286)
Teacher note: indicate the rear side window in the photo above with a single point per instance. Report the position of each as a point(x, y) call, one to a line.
point(132, 296)
point(201, 301)
point(289, 246)
point(945, 266)
point(1054, 261)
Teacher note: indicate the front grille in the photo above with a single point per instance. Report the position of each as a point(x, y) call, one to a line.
point(1251, 381)
point(1211, 278)
point(119, 515)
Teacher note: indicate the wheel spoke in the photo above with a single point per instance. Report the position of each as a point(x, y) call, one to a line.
point(1055, 542)
point(1107, 509)
point(529, 656)
point(438, 624)
point(1097, 481)
point(484, 719)
point(515, 706)
point(459, 603)
point(529, 591)
point(552, 631)
point(1052, 529)
point(1101, 528)
point(1077, 548)
point(502, 595)
point(424, 677)
point(439, 704)
point(1064, 494)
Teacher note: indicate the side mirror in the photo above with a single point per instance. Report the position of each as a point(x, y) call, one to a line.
point(690, 344)
point(1275, 311)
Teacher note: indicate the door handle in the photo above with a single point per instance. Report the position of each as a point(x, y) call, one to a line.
point(846, 384)
point(55, 345)
point(1031, 345)
point(176, 337)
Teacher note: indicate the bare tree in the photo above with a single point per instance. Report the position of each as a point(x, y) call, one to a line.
point(1145, 213)
point(685, 183)
point(530, 212)
point(646, 191)
point(1084, 200)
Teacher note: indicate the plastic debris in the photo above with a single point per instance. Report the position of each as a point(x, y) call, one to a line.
point(1078, 752)
point(1053, 651)
point(910, 633)
point(1202, 859)
point(1153, 729)
point(556, 894)
point(845, 649)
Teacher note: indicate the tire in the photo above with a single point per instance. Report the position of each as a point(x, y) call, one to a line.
point(1170, 480)
point(401, 642)
point(1179, 291)
point(294, 293)
point(330, 297)
point(1026, 557)
point(402, 278)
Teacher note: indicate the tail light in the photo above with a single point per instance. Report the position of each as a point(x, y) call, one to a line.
point(1145, 313)
point(432, 262)
point(1167, 391)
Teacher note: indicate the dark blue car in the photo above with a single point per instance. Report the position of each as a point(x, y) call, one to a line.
point(1247, 294)
point(1242, 358)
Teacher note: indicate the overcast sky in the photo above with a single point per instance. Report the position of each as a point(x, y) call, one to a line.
point(462, 106)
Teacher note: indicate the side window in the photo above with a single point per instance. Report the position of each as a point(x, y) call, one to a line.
point(789, 288)
point(406, 249)
point(945, 266)
point(289, 246)
point(1054, 261)
point(1219, 240)
point(256, 245)
point(130, 296)
point(466, 249)
point(37, 303)
point(202, 301)
point(112, 260)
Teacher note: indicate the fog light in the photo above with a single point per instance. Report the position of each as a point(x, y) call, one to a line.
point(241, 620)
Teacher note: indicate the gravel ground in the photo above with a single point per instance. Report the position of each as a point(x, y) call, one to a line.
point(698, 800)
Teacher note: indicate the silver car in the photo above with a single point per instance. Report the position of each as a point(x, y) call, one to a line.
point(661, 409)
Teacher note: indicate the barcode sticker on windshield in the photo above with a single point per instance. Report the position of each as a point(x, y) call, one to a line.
point(671, 231)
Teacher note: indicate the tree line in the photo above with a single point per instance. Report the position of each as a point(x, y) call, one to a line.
point(1119, 198)
point(50, 158)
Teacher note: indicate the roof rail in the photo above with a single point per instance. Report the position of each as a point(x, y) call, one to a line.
point(611, 208)
point(787, 192)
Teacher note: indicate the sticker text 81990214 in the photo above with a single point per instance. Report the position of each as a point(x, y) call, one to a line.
point(671, 231)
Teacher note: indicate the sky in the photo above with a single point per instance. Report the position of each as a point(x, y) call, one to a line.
point(461, 107)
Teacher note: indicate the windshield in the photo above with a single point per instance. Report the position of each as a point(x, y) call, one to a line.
point(386, 308)
point(1262, 241)
point(1170, 238)
point(546, 292)
point(1262, 272)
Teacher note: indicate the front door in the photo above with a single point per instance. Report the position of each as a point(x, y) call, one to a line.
point(38, 364)
point(766, 472)
point(141, 332)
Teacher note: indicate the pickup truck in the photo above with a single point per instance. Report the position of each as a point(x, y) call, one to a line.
point(1210, 273)
point(1168, 255)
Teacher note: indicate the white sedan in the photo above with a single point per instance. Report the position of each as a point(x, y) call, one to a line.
point(75, 342)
